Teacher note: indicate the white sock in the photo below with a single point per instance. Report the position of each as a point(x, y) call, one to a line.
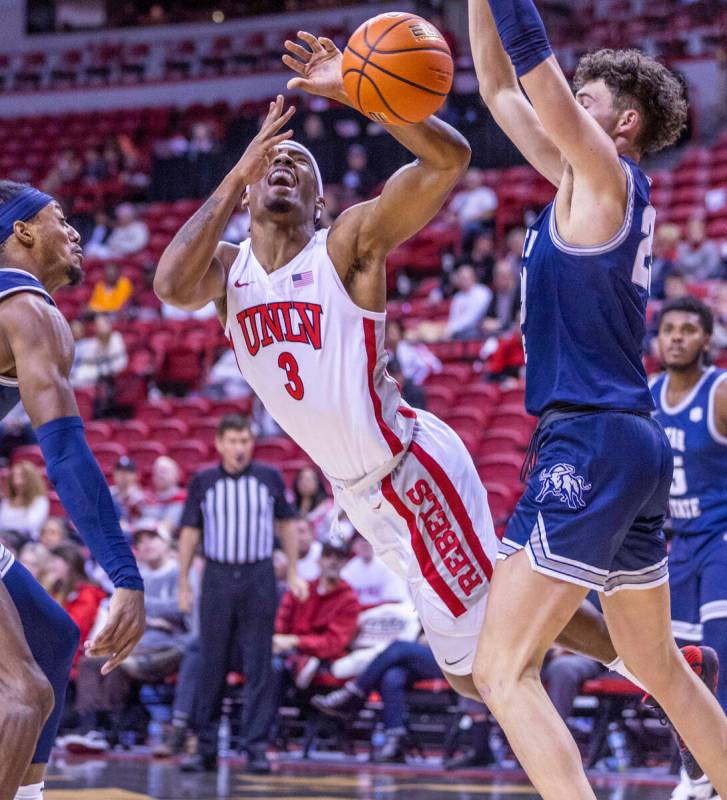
point(618, 666)
point(33, 791)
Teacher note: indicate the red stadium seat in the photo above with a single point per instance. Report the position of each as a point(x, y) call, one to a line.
point(151, 413)
point(171, 431)
point(189, 454)
point(275, 449)
point(502, 468)
point(131, 431)
point(145, 454)
point(203, 429)
point(107, 454)
point(98, 432)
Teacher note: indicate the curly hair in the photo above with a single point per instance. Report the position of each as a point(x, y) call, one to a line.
point(638, 81)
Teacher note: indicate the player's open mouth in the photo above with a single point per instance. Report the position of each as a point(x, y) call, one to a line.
point(282, 176)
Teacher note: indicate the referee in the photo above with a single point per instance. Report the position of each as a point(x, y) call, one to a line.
point(234, 509)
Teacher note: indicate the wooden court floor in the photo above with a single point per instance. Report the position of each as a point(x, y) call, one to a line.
point(134, 778)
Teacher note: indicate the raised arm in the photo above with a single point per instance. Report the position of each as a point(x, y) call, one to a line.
point(578, 137)
point(193, 268)
point(40, 342)
point(363, 235)
point(504, 98)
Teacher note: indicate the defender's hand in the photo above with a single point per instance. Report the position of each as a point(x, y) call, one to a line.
point(122, 631)
point(256, 160)
point(319, 67)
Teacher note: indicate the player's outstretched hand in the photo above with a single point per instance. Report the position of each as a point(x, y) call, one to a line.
point(256, 160)
point(319, 66)
point(122, 631)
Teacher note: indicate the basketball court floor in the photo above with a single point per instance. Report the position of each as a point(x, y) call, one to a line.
point(140, 778)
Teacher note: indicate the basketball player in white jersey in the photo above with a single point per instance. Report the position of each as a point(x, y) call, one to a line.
point(304, 309)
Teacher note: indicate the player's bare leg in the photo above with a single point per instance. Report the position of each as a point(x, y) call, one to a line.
point(526, 611)
point(640, 626)
point(26, 700)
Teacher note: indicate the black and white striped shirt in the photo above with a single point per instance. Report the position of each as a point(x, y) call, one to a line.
point(236, 513)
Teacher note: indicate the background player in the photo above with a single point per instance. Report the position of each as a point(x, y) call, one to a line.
point(308, 331)
point(593, 508)
point(691, 405)
point(40, 252)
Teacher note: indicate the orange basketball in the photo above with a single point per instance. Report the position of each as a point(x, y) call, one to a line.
point(397, 69)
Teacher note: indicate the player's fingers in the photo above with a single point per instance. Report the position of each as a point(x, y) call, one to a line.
point(311, 41)
point(328, 44)
point(303, 54)
point(281, 137)
point(294, 64)
point(118, 657)
point(300, 83)
point(102, 643)
point(275, 126)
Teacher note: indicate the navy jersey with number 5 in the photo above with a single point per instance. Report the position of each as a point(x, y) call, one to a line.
point(698, 495)
point(584, 308)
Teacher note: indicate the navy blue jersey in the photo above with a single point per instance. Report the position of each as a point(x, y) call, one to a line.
point(13, 281)
point(584, 308)
point(698, 496)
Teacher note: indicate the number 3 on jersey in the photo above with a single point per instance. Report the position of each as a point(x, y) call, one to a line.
point(294, 387)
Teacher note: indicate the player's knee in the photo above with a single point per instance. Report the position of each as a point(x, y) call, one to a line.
point(33, 699)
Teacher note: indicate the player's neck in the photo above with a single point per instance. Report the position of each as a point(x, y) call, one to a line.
point(681, 382)
point(16, 260)
point(276, 244)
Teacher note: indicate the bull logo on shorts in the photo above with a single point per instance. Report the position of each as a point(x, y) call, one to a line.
point(562, 482)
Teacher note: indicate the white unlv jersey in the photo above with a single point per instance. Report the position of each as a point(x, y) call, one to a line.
point(317, 361)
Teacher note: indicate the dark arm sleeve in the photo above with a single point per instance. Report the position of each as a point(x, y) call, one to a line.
point(192, 514)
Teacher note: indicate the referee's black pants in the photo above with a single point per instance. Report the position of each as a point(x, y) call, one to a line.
point(237, 619)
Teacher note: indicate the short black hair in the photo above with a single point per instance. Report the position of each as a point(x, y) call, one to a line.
point(690, 305)
point(8, 190)
point(233, 422)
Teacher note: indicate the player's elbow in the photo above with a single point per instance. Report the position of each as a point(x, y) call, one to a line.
point(170, 291)
point(460, 154)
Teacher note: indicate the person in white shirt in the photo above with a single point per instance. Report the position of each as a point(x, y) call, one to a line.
point(469, 305)
point(225, 378)
point(373, 582)
point(25, 507)
point(416, 360)
point(101, 356)
point(474, 207)
point(130, 235)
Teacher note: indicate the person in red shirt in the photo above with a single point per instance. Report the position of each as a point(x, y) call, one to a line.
point(319, 628)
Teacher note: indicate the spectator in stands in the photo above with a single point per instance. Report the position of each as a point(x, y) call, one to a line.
point(372, 581)
point(507, 360)
point(129, 235)
point(514, 244)
point(416, 360)
point(67, 583)
point(482, 256)
point(15, 430)
point(719, 308)
point(35, 557)
point(469, 305)
point(310, 498)
point(112, 292)
point(26, 506)
point(309, 550)
point(165, 503)
point(94, 168)
point(100, 230)
point(202, 139)
point(54, 533)
point(225, 379)
point(415, 395)
point(474, 207)
point(102, 356)
point(500, 316)
point(128, 495)
point(666, 240)
point(675, 285)
point(66, 171)
point(315, 137)
point(319, 628)
point(564, 673)
point(357, 181)
point(391, 673)
point(698, 257)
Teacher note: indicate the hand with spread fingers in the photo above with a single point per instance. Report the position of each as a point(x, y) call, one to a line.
point(319, 66)
point(123, 629)
point(260, 152)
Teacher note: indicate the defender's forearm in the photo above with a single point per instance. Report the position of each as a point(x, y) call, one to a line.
point(492, 64)
point(188, 256)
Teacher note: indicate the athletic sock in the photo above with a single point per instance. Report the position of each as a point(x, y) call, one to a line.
point(33, 791)
point(617, 665)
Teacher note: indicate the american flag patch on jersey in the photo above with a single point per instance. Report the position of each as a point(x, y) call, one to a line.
point(301, 279)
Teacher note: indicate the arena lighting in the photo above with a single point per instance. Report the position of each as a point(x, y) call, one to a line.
point(218, 16)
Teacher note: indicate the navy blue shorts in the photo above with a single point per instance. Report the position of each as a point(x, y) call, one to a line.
point(698, 583)
point(594, 505)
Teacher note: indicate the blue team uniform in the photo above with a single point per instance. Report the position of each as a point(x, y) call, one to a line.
point(595, 502)
point(697, 505)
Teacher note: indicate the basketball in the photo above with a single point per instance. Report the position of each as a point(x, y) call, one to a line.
point(397, 69)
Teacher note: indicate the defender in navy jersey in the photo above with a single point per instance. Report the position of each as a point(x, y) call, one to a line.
point(39, 253)
point(691, 404)
point(600, 466)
